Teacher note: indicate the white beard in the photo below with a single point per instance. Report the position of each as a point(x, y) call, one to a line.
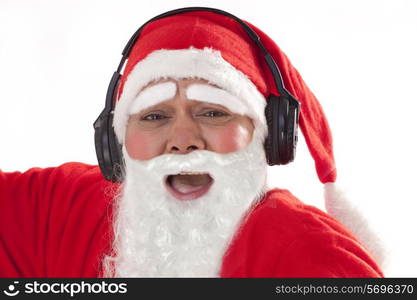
point(157, 235)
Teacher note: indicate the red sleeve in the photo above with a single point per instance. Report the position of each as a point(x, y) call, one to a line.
point(54, 222)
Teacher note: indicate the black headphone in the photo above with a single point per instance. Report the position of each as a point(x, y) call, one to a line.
point(281, 112)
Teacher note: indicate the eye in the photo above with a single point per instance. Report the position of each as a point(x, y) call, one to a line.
point(153, 117)
point(215, 114)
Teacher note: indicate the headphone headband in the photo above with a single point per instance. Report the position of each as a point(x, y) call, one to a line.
point(281, 111)
point(279, 83)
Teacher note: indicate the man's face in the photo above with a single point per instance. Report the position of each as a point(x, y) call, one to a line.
point(157, 233)
point(180, 125)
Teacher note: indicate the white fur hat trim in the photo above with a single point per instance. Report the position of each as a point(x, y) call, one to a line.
point(205, 64)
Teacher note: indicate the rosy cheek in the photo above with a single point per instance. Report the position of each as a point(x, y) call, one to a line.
point(142, 145)
point(229, 138)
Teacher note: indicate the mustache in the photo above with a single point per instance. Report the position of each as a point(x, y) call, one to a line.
point(203, 161)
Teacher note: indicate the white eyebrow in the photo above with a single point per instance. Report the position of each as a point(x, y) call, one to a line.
point(152, 96)
point(214, 95)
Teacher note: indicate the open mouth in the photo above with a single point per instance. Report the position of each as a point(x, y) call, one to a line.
point(188, 185)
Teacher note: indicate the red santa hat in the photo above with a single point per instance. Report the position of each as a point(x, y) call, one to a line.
point(214, 47)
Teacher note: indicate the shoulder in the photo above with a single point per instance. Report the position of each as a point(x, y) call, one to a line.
point(80, 173)
point(81, 181)
point(281, 210)
point(77, 170)
point(298, 240)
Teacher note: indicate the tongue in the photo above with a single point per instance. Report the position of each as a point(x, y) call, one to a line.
point(189, 183)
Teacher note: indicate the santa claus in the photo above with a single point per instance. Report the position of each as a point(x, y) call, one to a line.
point(192, 198)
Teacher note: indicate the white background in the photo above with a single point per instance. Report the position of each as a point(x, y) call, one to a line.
point(358, 57)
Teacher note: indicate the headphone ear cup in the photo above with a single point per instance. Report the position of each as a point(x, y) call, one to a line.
point(286, 148)
point(98, 142)
point(115, 148)
point(282, 132)
point(108, 150)
point(290, 131)
point(292, 134)
point(268, 144)
point(101, 139)
point(275, 124)
point(289, 151)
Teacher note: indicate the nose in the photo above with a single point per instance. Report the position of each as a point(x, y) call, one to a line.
point(185, 137)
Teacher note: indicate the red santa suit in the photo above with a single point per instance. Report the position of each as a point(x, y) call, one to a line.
point(56, 222)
